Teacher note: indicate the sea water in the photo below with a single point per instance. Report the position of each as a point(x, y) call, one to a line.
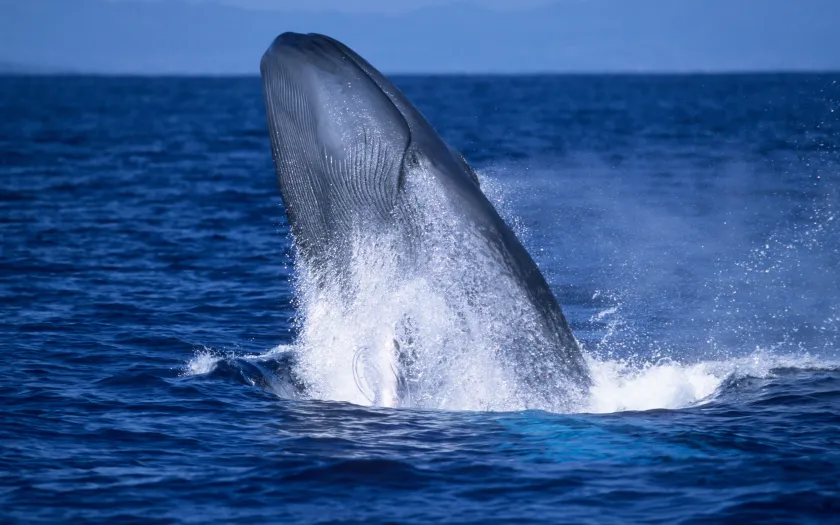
point(152, 320)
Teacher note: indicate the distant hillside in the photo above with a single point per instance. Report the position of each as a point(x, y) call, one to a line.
point(8, 67)
point(12, 68)
point(176, 36)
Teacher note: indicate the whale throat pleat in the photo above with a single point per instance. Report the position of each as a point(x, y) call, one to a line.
point(338, 167)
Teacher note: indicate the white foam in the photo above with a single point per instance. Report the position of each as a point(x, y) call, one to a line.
point(667, 384)
point(203, 362)
point(618, 386)
point(458, 320)
point(468, 334)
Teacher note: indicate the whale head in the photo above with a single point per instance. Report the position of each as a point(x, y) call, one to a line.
point(344, 140)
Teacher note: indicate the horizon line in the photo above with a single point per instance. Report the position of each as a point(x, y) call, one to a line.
point(628, 73)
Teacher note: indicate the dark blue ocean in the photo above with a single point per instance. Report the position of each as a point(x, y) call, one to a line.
point(689, 225)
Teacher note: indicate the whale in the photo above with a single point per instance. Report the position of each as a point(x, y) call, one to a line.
point(357, 162)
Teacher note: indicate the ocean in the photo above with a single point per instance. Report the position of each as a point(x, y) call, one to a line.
point(688, 225)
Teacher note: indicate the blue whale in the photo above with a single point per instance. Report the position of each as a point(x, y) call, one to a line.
point(352, 155)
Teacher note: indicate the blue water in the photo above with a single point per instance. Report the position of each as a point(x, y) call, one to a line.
point(689, 226)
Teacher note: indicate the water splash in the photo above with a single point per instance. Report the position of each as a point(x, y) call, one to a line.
point(351, 351)
point(431, 322)
point(203, 362)
point(620, 385)
point(451, 328)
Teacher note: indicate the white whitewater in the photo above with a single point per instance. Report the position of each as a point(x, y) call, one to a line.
point(454, 324)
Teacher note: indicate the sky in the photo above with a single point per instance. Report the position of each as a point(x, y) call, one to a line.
point(221, 37)
point(374, 6)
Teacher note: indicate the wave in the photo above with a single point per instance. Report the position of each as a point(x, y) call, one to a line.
point(618, 385)
point(667, 383)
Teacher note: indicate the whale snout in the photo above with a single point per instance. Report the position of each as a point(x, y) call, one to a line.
point(295, 52)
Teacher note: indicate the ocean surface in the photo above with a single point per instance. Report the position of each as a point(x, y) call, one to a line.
point(689, 226)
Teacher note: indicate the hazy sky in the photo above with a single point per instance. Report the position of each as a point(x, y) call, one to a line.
point(374, 6)
point(475, 36)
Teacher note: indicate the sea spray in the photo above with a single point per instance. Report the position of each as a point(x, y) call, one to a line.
point(428, 317)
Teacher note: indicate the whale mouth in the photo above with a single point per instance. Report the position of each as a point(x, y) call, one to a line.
point(337, 139)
